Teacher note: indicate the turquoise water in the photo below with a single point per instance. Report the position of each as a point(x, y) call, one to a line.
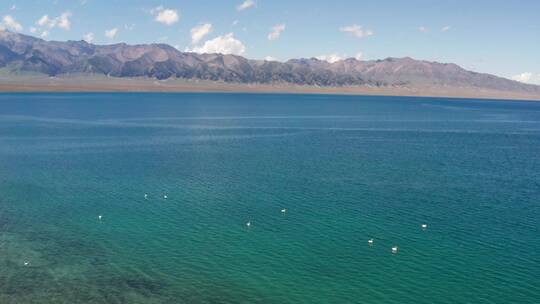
point(346, 168)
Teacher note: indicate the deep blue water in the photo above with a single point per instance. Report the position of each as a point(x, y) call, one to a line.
point(346, 168)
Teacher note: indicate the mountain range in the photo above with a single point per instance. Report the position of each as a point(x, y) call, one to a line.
point(21, 53)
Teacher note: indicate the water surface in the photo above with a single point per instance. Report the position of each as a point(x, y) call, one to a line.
point(346, 168)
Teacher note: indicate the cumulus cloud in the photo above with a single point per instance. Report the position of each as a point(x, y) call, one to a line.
point(275, 31)
point(198, 32)
point(523, 77)
point(63, 21)
point(356, 30)
point(43, 20)
point(445, 28)
point(423, 29)
point(165, 16)
point(41, 33)
point(335, 57)
point(270, 58)
point(111, 33)
point(331, 58)
point(226, 44)
point(9, 22)
point(245, 5)
point(89, 37)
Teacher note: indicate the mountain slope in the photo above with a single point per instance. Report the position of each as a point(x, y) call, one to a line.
point(21, 53)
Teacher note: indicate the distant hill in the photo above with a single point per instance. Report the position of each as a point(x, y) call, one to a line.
point(21, 53)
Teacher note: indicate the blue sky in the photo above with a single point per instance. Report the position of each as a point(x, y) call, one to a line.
point(499, 37)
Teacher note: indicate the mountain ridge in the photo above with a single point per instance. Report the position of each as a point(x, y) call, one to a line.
point(22, 53)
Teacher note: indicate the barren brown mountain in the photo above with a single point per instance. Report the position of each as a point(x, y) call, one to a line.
point(21, 54)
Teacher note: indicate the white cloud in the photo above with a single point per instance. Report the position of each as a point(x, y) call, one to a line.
point(165, 16)
point(89, 37)
point(235, 22)
point(356, 30)
point(270, 58)
point(129, 27)
point(43, 20)
point(37, 31)
point(446, 28)
point(111, 33)
point(61, 21)
point(198, 32)
point(331, 58)
point(423, 29)
point(13, 7)
point(275, 31)
point(9, 22)
point(335, 57)
point(523, 77)
point(245, 5)
point(226, 44)
point(527, 77)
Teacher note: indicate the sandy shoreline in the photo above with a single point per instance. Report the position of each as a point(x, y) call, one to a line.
point(109, 84)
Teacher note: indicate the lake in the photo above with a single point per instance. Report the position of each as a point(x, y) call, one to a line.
point(145, 198)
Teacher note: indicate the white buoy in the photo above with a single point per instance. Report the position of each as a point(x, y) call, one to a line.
point(145, 196)
point(99, 217)
point(283, 210)
point(394, 249)
point(248, 224)
point(424, 226)
point(26, 263)
point(370, 241)
point(165, 196)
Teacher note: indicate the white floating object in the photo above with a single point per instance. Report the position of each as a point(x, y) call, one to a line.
point(248, 224)
point(424, 226)
point(146, 196)
point(370, 241)
point(99, 217)
point(165, 196)
point(26, 263)
point(394, 249)
point(283, 210)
